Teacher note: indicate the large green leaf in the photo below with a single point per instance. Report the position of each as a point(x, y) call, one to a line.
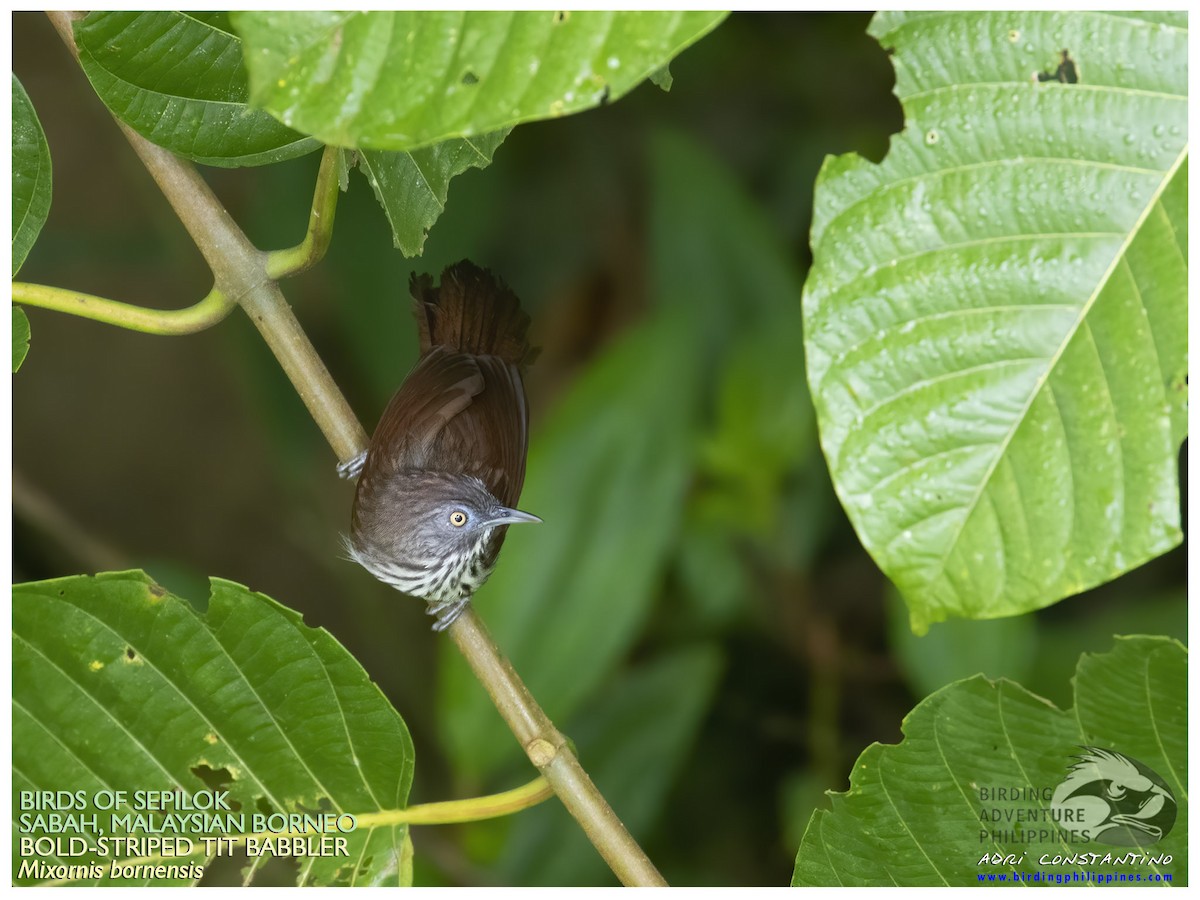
point(412, 187)
point(30, 176)
point(178, 80)
point(996, 319)
point(977, 771)
point(400, 80)
point(120, 685)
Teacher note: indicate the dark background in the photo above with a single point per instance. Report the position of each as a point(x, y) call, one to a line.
point(192, 456)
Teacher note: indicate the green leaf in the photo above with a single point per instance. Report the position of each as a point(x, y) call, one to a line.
point(20, 336)
point(996, 318)
point(31, 183)
point(412, 187)
point(177, 79)
point(607, 473)
point(120, 685)
point(634, 741)
point(925, 811)
point(401, 80)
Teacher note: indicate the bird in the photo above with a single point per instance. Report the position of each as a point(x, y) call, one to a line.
point(439, 482)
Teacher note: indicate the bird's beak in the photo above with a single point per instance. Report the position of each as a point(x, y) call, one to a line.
point(506, 516)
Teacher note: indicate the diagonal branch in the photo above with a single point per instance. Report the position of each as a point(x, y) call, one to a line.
point(242, 273)
point(239, 270)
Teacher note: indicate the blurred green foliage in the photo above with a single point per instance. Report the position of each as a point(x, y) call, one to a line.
point(659, 244)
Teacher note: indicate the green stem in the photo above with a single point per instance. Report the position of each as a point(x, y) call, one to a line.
point(446, 812)
point(473, 809)
point(310, 251)
point(208, 312)
point(240, 269)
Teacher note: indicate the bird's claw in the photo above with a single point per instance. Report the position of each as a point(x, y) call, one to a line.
point(352, 467)
point(446, 613)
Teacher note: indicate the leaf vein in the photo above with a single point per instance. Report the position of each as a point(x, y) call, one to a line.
point(1013, 751)
point(84, 691)
point(17, 704)
point(907, 467)
point(923, 383)
point(940, 315)
point(825, 848)
point(362, 855)
point(1043, 380)
point(1162, 749)
point(192, 703)
point(907, 830)
point(1023, 85)
point(936, 174)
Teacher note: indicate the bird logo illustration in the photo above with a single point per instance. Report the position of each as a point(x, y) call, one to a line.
point(1114, 799)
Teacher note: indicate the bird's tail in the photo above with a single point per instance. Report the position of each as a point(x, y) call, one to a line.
point(471, 311)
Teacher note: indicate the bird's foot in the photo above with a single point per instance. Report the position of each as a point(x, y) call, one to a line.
point(446, 613)
point(352, 467)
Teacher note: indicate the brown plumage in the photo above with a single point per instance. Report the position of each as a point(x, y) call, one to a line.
point(445, 466)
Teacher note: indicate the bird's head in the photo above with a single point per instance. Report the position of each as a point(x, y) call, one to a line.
point(422, 531)
point(453, 511)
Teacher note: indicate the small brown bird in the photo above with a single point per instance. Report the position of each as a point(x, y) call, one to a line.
point(440, 480)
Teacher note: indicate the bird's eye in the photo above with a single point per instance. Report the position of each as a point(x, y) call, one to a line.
point(458, 518)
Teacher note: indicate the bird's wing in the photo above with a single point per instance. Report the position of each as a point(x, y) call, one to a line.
point(495, 430)
point(456, 413)
point(411, 429)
